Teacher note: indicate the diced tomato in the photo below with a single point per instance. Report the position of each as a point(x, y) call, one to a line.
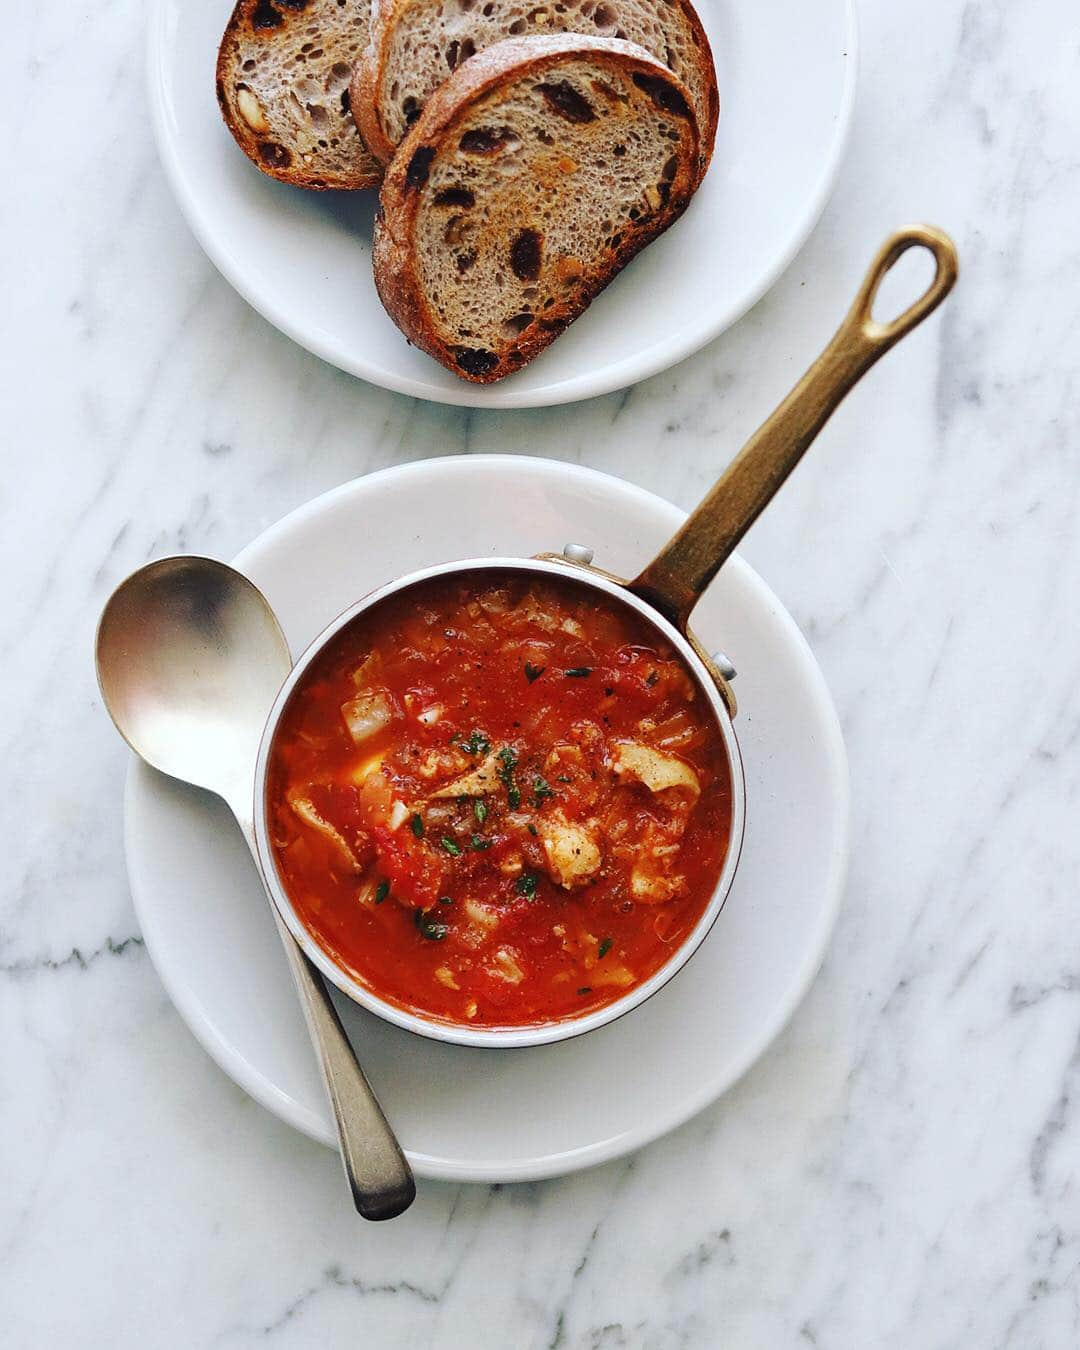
point(413, 871)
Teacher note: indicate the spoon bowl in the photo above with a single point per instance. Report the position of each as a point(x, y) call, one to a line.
point(190, 658)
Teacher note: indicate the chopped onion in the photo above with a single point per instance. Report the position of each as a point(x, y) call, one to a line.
point(532, 611)
point(676, 733)
point(481, 915)
point(366, 714)
point(618, 976)
point(368, 669)
point(506, 967)
point(494, 602)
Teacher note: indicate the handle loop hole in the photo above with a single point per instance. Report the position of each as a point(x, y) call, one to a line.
point(926, 239)
point(912, 273)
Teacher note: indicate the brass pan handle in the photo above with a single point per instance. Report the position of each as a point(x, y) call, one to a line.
point(683, 568)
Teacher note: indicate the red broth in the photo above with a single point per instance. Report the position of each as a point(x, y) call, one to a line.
point(499, 799)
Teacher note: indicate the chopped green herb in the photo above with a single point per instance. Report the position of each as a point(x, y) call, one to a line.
point(434, 932)
point(445, 900)
point(476, 744)
point(480, 810)
point(382, 890)
point(563, 778)
point(453, 849)
point(533, 672)
point(526, 885)
point(479, 843)
point(604, 948)
point(651, 678)
point(578, 672)
point(508, 763)
point(585, 989)
point(532, 829)
point(608, 690)
point(541, 789)
point(417, 825)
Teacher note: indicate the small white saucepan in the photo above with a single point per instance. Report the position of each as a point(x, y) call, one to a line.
point(664, 594)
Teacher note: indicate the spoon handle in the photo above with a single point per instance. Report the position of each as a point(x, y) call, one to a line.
point(380, 1177)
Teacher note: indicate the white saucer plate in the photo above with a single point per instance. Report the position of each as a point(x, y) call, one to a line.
point(786, 71)
point(511, 1115)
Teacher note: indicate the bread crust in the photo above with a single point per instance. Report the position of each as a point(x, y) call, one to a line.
point(367, 76)
point(393, 252)
point(266, 154)
point(385, 16)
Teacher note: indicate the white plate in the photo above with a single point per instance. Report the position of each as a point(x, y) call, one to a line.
point(786, 71)
point(511, 1115)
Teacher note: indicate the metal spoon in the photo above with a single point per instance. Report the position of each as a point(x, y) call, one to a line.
point(189, 660)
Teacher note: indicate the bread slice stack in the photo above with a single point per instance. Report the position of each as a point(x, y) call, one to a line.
point(530, 151)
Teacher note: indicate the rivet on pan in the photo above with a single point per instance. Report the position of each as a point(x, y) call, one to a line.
point(578, 553)
point(723, 665)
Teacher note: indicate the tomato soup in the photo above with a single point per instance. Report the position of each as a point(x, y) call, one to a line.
point(499, 799)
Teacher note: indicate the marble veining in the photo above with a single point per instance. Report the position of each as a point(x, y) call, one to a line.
point(900, 1170)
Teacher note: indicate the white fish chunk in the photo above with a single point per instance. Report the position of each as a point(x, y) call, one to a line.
point(479, 782)
point(305, 809)
point(653, 888)
point(654, 768)
point(572, 853)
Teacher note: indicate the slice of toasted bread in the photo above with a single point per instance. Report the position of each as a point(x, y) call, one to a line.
point(533, 175)
point(283, 75)
point(415, 44)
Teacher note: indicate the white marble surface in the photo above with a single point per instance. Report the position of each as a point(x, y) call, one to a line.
point(900, 1170)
